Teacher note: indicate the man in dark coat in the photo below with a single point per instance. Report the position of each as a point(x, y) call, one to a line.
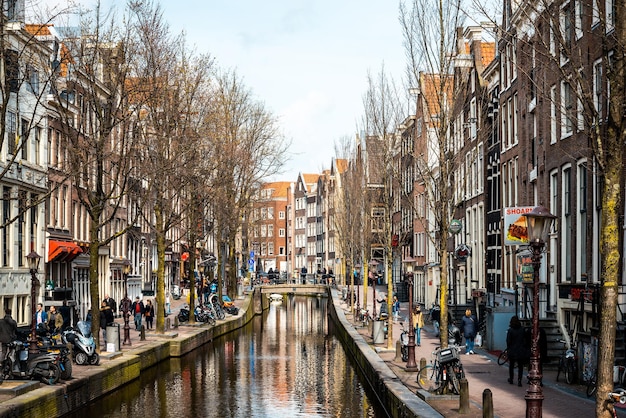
point(8, 330)
point(138, 309)
point(517, 349)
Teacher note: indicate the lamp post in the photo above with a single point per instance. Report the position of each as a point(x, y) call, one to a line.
point(126, 303)
point(411, 366)
point(538, 223)
point(33, 265)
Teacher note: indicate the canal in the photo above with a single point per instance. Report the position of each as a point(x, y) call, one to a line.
point(284, 363)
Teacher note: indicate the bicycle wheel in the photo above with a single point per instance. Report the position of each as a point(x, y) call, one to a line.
point(503, 358)
point(428, 379)
point(570, 372)
point(591, 387)
point(453, 372)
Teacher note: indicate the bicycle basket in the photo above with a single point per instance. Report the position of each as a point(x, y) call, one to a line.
point(447, 355)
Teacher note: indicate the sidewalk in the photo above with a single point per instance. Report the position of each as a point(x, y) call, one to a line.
point(482, 372)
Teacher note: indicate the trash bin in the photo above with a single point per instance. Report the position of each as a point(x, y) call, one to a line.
point(113, 338)
point(378, 332)
point(344, 293)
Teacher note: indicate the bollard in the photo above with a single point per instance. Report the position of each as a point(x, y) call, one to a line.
point(422, 368)
point(143, 333)
point(464, 405)
point(487, 404)
point(167, 324)
point(176, 321)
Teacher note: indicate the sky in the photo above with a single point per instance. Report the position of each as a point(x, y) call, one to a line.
point(307, 61)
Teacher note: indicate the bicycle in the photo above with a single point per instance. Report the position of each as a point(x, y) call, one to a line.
point(503, 358)
point(619, 378)
point(618, 396)
point(568, 363)
point(444, 373)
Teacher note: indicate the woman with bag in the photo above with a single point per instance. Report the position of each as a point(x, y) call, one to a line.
point(149, 313)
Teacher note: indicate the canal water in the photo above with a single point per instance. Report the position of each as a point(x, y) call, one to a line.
point(284, 363)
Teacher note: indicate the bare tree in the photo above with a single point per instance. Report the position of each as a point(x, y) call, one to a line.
point(430, 34)
point(247, 148)
point(169, 132)
point(92, 107)
point(382, 114)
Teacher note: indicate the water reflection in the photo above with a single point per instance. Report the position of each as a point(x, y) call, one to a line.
point(284, 363)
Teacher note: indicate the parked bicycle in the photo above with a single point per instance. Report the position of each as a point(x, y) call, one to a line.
point(568, 363)
point(503, 358)
point(444, 373)
point(618, 396)
point(619, 379)
point(364, 317)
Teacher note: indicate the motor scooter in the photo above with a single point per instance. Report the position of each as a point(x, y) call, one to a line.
point(84, 346)
point(176, 292)
point(20, 364)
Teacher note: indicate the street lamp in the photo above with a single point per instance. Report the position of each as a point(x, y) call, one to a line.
point(411, 366)
point(538, 224)
point(33, 265)
point(126, 303)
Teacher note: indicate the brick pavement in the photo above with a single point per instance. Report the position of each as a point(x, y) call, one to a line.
point(483, 372)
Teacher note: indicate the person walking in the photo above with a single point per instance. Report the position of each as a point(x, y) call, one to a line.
point(106, 319)
point(41, 317)
point(469, 325)
point(55, 320)
point(149, 313)
point(111, 304)
point(168, 304)
point(418, 323)
point(395, 308)
point(138, 310)
point(516, 348)
point(435, 316)
point(8, 331)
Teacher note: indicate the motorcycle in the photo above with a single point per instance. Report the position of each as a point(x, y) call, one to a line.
point(84, 346)
point(20, 364)
point(201, 314)
point(53, 344)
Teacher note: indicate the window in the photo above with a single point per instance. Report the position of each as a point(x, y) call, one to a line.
point(270, 213)
point(567, 30)
point(33, 80)
point(6, 216)
point(11, 131)
point(597, 89)
point(270, 231)
point(610, 15)
point(281, 232)
point(37, 144)
point(281, 214)
point(24, 139)
point(568, 110)
point(12, 73)
point(595, 16)
point(270, 248)
point(553, 115)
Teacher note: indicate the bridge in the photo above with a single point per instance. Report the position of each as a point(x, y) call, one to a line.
point(297, 289)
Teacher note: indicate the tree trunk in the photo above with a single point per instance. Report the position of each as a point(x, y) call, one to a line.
point(160, 285)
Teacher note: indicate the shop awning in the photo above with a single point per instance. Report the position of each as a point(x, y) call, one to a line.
point(62, 251)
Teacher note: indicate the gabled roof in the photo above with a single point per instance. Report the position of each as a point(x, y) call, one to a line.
point(279, 188)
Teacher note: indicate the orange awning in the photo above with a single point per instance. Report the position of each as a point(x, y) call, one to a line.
point(63, 251)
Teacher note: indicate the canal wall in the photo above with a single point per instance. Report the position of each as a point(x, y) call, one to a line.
point(392, 394)
point(91, 382)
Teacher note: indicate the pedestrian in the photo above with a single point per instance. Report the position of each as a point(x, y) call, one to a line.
point(418, 323)
point(106, 319)
point(111, 304)
point(167, 304)
point(303, 272)
point(66, 314)
point(516, 348)
point(8, 330)
point(395, 308)
point(149, 313)
point(435, 316)
point(137, 310)
point(469, 325)
point(55, 320)
point(41, 317)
